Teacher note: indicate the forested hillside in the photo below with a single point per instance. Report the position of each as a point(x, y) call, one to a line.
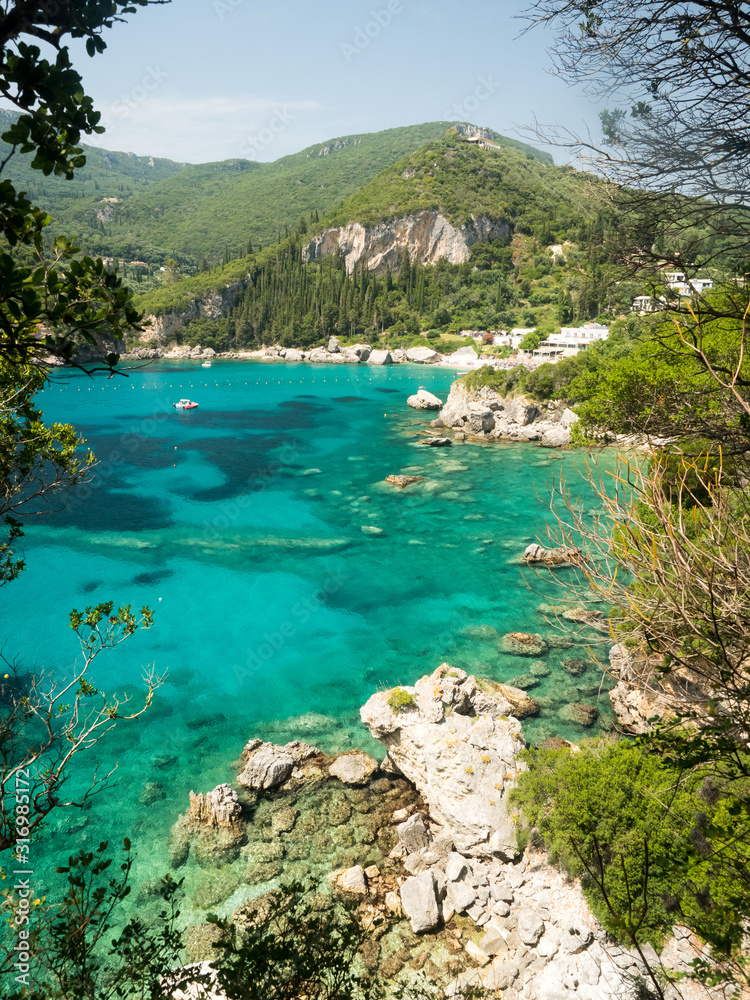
point(515, 281)
point(138, 208)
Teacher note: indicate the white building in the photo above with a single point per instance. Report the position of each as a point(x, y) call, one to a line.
point(571, 339)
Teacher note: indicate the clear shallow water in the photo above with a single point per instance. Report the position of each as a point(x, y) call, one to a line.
point(241, 524)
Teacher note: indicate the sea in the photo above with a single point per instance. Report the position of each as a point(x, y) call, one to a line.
point(288, 580)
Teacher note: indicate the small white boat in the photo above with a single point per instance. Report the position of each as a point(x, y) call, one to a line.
point(206, 364)
point(185, 404)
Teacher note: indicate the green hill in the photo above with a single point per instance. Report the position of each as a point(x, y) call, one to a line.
point(139, 208)
point(515, 183)
point(279, 295)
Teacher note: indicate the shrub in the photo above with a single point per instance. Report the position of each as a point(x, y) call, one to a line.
point(400, 700)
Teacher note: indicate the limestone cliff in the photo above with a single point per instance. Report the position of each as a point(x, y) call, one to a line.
point(429, 237)
point(212, 305)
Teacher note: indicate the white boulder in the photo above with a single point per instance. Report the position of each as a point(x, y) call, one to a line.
point(424, 400)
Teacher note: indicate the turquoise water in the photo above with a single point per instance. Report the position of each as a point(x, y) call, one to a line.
point(276, 615)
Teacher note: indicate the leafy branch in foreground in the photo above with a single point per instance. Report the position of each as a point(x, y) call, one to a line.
point(45, 723)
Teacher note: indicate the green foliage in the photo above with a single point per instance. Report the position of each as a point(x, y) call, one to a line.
point(400, 700)
point(501, 381)
point(52, 288)
point(633, 828)
point(37, 461)
point(189, 211)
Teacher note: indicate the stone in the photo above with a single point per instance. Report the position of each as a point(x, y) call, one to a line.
point(475, 952)
point(401, 815)
point(530, 927)
point(461, 896)
point(436, 442)
point(354, 768)
point(493, 943)
point(333, 346)
point(579, 714)
point(380, 358)
point(371, 529)
point(267, 766)
point(521, 706)
point(524, 682)
point(219, 809)
point(424, 400)
point(413, 834)
point(575, 666)
point(350, 881)
point(283, 821)
point(293, 355)
point(393, 903)
point(419, 902)
point(423, 356)
point(563, 556)
point(459, 745)
point(523, 644)
point(455, 867)
point(400, 482)
point(501, 891)
point(557, 436)
point(575, 937)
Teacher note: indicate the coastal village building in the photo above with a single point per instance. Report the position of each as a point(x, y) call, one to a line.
point(571, 340)
point(678, 282)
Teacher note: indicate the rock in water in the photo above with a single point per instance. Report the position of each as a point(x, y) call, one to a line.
point(219, 809)
point(354, 768)
point(535, 553)
point(523, 644)
point(267, 766)
point(459, 747)
point(349, 881)
point(578, 713)
point(424, 400)
point(402, 481)
point(437, 442)
point(212, 827)
point(333, 346)
point(420, 903)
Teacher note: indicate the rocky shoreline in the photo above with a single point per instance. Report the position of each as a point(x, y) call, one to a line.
point(333, 354)
point(424, 844)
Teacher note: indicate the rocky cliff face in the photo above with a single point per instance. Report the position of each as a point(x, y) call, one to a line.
point(213, 305)
point(485, 413)
point(428, 236)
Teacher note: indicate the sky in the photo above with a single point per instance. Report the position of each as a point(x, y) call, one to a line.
point(204, 80)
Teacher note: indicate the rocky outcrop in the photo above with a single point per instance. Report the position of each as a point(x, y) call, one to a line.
point(459, 746)
point(642, 696)
point(436, 442)
point(428, 236)
point(485, 413)
point(354, 768)
point(423, 356)
point(563, 556)
point(401, 482)
point(212, 305)
point(266, 766)
point(211, 828)
point(381, 358)
point(424, 400)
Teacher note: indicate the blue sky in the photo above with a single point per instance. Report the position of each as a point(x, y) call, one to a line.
point(201, 80)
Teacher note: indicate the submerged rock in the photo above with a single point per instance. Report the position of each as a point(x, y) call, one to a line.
point(523, 644)
point(402, 481)
point(436, 442)
point(354, 768)
point(579, 713)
